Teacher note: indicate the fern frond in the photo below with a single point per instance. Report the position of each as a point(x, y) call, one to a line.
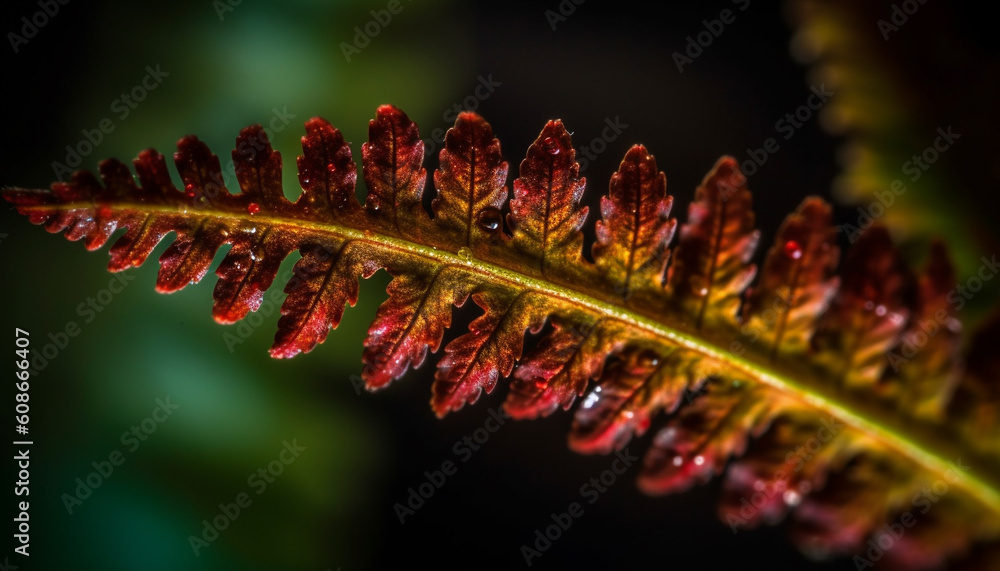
point(790, 382)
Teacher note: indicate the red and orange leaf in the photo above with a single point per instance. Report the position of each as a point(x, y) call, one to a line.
point(711, 261)
point(326, 171)
point(559, 368)
point(924, 367)
point(545, 216)
point(412, 321)
point(393, 168)
point(324, 281)
point(867, 316)
point(634, 387)
point(470, 184)
point(842, 463)
point(793, 458)
point(699, 441)
point(475, 361)
point(634, 230)
point(796, 283)
point(257, 251)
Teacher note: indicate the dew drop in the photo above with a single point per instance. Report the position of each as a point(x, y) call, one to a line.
point(540, 384)
point(699, 286)
point(649, 359)
point(374, 204)
point(253, 208)
point(699, 460)
point(551, 145)
point(465, 254)
point(793, 250)
point(629, 414)
point(189, 189)
point(880, 310)
point(953, 325)
point(597, 389)
point(331, 168)
point(665, 437)
point(306, 181)
point(678, 461)
point(591, 400)
point(792, 498)
point(489, 219)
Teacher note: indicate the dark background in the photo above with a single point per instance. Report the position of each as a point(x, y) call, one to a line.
point(333, 507)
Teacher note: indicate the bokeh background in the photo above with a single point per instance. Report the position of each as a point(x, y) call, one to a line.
point(233, 63)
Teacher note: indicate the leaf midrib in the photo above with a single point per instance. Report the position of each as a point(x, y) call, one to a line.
point(891, 431)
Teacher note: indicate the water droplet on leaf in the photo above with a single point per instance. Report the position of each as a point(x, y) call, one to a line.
point(699, 286)
point(551, 145)
point(792, 498)
point(793, 250)
point(253, 208)
point(490, 219)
